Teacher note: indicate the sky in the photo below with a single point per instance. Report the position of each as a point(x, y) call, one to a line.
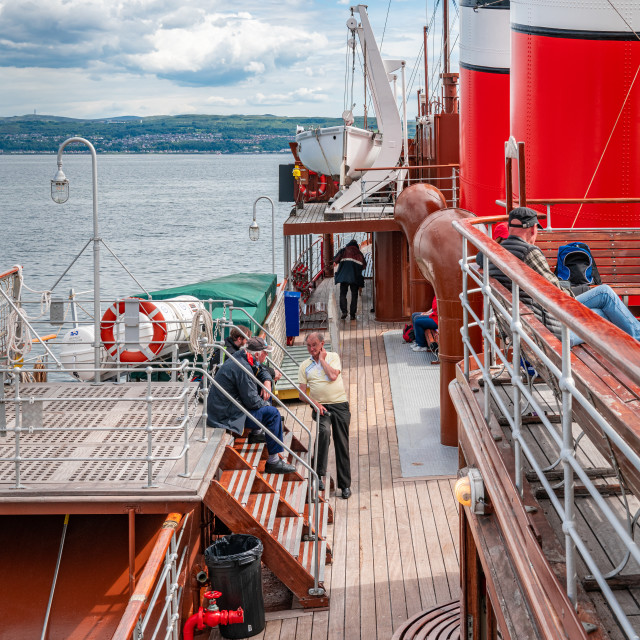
point(109, 58)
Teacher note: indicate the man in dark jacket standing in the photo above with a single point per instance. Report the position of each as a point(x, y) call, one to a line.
point(351, 264)
point(235, 377)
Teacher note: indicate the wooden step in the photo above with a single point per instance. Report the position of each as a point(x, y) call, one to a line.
point(288, 532)
point(264, 507)
point(238, 483)
point(323, 518)
point(294, 492)
point(307, 557)
point(252, 453)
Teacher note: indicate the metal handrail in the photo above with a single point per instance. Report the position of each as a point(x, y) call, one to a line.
point(152, 574)
point(602, 336)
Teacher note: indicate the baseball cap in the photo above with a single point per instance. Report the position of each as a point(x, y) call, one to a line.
point(258, 344)
point(525, 216)
point(500, 231)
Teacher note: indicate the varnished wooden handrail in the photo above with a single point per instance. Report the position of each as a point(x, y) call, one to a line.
point(148, 579)
point(608, 340)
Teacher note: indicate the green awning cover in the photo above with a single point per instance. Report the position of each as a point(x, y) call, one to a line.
point(255, 292)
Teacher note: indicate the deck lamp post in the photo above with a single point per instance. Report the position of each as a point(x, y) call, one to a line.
point(254, 229)
point(60, 194)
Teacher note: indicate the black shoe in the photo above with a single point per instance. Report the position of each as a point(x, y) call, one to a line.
point(353, 317)
point(346, 493)
point(279, 467)
point(256, 436)
point(320, 485)
point(343, 316)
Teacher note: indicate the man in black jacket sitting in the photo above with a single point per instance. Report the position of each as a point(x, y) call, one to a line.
point(234, 376)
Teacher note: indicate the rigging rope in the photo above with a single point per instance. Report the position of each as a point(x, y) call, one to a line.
point(615, 124)
point(385, 26)
point(201, 327)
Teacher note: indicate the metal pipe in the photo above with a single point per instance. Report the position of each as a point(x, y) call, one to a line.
point(55, 578)
point(132, 550)
point(96, 248)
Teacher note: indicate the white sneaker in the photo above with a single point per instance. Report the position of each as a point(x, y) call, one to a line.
point(419, 348)
point(413, 344)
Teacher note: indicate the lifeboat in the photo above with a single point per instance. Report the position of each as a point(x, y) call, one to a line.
point(322, 150)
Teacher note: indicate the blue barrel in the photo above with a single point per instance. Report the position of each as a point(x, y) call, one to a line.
point(292, 312)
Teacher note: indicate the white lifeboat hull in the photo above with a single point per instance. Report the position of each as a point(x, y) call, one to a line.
point(321, 150)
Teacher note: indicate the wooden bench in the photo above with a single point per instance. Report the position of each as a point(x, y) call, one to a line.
point(616, 254)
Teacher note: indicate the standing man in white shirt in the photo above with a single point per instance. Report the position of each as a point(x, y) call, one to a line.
point(319, 377)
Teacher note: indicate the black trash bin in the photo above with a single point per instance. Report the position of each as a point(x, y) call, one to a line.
point(235, 570)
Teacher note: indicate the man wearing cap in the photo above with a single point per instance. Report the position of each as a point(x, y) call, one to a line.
point(523, 231)
point(235, 376)
point(319, 377)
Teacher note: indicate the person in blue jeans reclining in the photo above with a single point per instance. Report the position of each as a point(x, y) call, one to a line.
point(422, 322)
point(234, 377)
point(603, 300)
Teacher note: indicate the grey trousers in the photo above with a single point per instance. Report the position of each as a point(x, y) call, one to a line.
point(338, 423)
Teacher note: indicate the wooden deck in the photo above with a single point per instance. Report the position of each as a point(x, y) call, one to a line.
point(311, 220)
point(395, 541)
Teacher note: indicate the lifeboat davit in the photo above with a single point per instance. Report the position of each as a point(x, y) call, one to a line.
point(484, 115)
point(575, 96)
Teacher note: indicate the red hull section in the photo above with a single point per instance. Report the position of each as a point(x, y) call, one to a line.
point(484, 126)
point(566, 94)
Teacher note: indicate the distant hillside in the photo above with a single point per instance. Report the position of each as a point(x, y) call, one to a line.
point(160, 134)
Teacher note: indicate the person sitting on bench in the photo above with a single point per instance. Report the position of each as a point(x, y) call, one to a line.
point(234, 376)
point(421, 323)
point(523, 231)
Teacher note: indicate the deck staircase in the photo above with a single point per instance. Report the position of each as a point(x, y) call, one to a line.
point(274, 508)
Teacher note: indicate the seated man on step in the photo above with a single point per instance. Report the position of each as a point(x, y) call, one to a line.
point(523, 231)
point(235, 376)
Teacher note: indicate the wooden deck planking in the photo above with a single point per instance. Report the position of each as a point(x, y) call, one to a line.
point(392, 555)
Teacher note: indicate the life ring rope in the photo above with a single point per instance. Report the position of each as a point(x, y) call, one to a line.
point(140, 353)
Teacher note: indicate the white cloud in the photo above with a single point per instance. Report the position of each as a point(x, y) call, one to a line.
point(100, 58)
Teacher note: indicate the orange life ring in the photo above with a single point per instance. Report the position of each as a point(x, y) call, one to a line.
point(141, 354)
point(312, 195)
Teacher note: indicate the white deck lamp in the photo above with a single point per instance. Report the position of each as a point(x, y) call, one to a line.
point(60, 187)
point(254, 229)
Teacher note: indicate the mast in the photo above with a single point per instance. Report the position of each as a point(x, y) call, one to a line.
point(426, 109)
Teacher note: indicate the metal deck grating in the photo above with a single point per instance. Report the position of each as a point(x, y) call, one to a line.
point(98, 422)
point(415, 389)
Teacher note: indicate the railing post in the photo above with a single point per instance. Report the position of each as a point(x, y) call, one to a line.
point(516, 382)
point(454, 187)
point(174, 363)
point(465, 312)
point(486, 344)
point(18, 428)
point(185, 390)
point(149, 430)
point(566, 382)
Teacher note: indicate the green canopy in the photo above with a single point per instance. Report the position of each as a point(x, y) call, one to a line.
point(254, 292)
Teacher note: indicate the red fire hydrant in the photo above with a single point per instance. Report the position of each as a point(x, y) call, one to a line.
point(211, 616)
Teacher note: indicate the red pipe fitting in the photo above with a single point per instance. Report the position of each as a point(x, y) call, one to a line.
point(211, 616)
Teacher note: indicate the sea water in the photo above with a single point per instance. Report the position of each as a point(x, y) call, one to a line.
point(172, 219)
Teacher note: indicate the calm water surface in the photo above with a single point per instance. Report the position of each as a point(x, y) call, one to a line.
point(172, 219)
